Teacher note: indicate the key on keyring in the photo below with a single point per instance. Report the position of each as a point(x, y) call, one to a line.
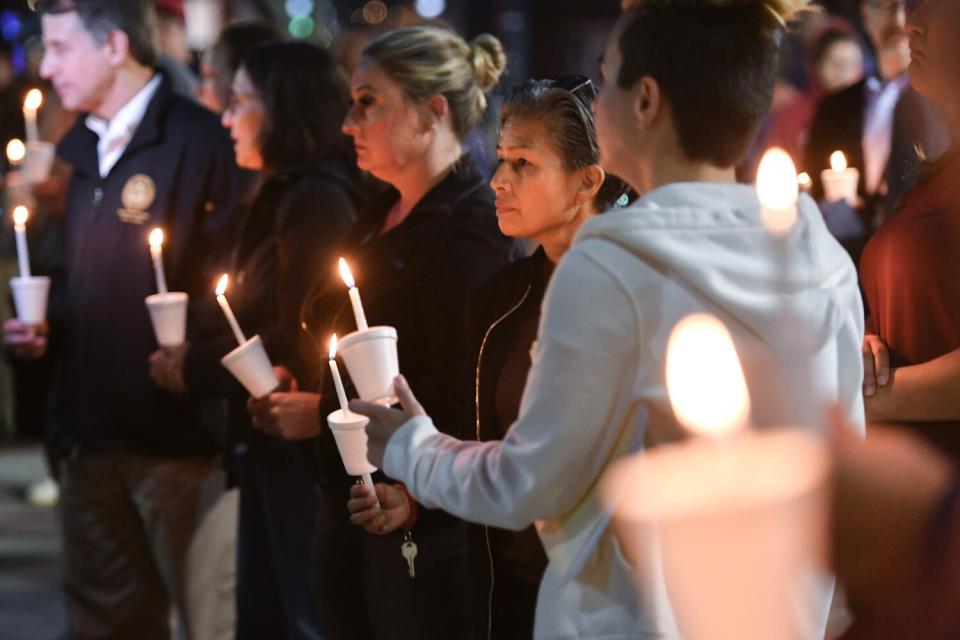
point(409, 551)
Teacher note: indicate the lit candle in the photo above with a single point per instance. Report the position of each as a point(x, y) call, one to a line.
point(156, 252)
point(20, 215)
point(227, 311)
point(335, 371)
point(344, 405)
point(736, 516)
point(777, 191)
point(16, 151)
point(804, 180)
point(354, 295)
point(840, 181)
point(31, 105)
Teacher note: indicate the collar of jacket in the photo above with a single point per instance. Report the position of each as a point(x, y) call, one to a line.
point(79, 145)
point(462, 180)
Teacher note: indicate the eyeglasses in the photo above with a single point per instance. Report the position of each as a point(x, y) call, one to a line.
point(236, 99)
point(573, 83)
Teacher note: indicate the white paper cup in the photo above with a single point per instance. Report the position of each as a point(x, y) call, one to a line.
point(250, 365)
point(350, 431)
point(38, 161)
point(19, 192)
point(168, 314)
point(741, 533)
point(371, 359)
point(30, 297)
point(840, 185)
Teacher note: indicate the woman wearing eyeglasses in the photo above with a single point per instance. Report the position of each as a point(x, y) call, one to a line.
point(547, 184)
point(287, 102)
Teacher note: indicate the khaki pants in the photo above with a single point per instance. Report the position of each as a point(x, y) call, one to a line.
point(128, 525)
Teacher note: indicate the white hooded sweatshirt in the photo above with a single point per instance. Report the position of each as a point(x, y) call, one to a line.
point(596, 389)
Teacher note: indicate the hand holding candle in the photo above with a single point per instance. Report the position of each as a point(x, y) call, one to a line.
point(358, 314)
point(20, 215)
point(227, 311)
point(156, 252)
point(342, 397)
point(31, 105)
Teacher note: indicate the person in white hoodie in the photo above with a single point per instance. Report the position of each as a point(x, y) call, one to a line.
point(687, 85)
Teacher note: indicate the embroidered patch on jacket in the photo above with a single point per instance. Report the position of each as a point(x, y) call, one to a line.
point(138, 194)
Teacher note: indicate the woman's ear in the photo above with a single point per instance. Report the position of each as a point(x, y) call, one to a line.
point(592, 179)
point(438, 108)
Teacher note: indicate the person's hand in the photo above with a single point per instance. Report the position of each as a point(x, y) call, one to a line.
point(28, 342)
point(166, 368)
point(876, 364)
point(384, 421)
point(259, 408)
point(395, 508)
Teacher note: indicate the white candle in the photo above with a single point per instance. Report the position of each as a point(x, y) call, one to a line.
point(16, 151)
point(227, 311)
point(840, 181)
point(335, 371)
point(804, 181)
point(777, 191)
point(30, 107)
point(20, 215)
point(156, 252)
point(358, 314)
point(735, 515)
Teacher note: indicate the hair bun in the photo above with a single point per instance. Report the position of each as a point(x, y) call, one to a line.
point(488, 60)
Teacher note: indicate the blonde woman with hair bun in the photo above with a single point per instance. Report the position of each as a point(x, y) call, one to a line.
point(419, 250)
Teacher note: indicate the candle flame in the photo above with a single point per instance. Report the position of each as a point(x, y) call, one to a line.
point(156, 237)
point(33, 100)
point(20, 215)
point(838, 161)
point(777, 190)
point(804, 180)
point(346, 274)
point(333, 347)
point(704, 377)
point(16, 151)
point(222, 284)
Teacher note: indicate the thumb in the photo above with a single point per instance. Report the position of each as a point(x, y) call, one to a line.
point(293, 385)
point(408, 401)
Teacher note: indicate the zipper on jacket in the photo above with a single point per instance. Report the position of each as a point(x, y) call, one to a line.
point(476, 397)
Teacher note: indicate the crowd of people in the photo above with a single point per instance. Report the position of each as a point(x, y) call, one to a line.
point(533, 302)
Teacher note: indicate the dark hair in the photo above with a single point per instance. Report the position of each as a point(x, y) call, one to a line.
point(306, 98)
point(136, 18)
point(715, 64)
point(564, 108)
point(235, 41)
point(827, 39)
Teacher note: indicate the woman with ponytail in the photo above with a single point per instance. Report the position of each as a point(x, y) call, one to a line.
point(420, 249)
point(688, 83)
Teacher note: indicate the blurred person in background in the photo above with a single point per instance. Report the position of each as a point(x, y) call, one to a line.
point(174, 56)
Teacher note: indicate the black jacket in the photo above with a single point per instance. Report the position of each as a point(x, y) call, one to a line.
point(416, 278)
point(502, 319)
point(838, 125)
point(178, 172)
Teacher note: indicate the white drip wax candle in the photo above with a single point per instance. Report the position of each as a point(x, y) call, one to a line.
point(20, 215)
point(227, 311)
point(31, 104)
point(358, 313)
point(156, 253)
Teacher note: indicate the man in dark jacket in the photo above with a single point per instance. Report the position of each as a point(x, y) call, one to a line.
point(139, 468)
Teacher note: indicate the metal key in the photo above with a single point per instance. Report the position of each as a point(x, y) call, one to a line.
point(409, 551)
